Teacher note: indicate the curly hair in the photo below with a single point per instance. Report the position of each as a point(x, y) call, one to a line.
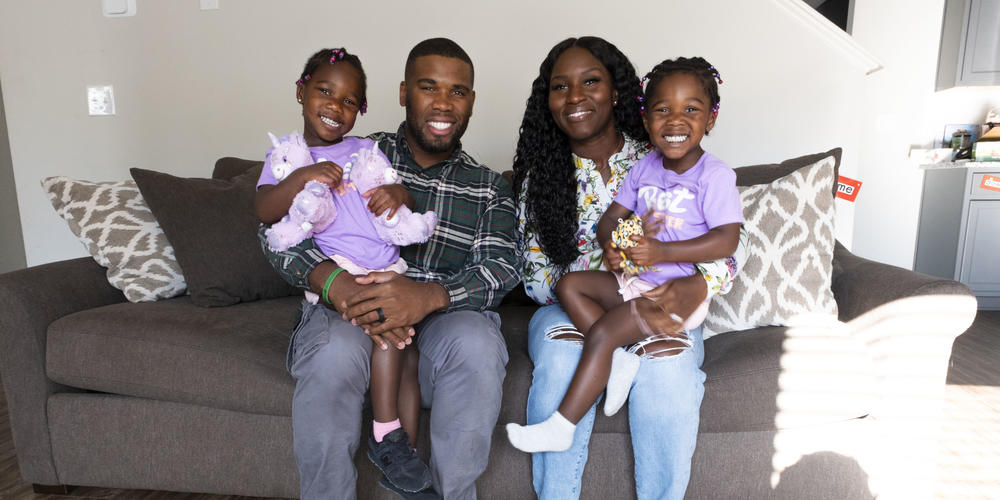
point(325, 56)
point(695, 66)
point(543, 152)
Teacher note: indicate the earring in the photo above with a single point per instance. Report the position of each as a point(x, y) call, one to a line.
point(300, 101)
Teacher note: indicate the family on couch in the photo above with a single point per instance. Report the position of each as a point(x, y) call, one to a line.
point(584, 128)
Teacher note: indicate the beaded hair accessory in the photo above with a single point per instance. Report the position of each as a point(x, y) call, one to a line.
point(718, 78)
point(715, 74)
point(640, 98)
point(338, 54)
point(302, 81)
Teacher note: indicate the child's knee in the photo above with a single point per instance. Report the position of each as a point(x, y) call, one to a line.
point(567, 287)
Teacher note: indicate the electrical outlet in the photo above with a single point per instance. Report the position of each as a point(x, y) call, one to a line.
point(101, 100)
point(118, 8)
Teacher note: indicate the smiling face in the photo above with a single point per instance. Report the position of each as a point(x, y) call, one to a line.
point(331, 99)
point(438, 97)
point(582, 96)
point(678, 114)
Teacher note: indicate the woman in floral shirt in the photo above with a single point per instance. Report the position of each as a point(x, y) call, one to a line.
point(581, 133)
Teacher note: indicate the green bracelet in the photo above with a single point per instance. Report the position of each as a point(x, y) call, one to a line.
point(329, 281)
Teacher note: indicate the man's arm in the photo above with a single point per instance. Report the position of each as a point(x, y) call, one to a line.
point(492, 268)
point(296, 264)
point(304, 266)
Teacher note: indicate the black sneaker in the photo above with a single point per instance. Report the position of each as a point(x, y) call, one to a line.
point(400, 464)
point(424, 494)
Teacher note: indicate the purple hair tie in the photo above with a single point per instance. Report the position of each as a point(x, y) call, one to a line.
point(715, 73)
point(364, 107)
point(302, 81)
point(338, 54)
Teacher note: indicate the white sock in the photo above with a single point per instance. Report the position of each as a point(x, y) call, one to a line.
point(553, 434)
point(624, 366)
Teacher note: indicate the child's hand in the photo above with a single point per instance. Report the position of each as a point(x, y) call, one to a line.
point(388, 197)
point(647, 252)
point(398, 337)
point(612, 258)
point(327, 172)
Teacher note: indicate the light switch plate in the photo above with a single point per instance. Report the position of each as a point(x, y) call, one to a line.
point(101, 100)
point(118, 8)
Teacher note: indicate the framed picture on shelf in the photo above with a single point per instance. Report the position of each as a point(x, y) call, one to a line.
point(949, 133)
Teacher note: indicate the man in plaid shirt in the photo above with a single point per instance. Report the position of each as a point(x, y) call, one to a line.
point(453, 279)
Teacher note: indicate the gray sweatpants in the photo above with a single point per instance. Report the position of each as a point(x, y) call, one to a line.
point(462, 360)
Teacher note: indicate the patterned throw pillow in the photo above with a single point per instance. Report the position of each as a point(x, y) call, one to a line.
point(112, 220)
point(789, 254)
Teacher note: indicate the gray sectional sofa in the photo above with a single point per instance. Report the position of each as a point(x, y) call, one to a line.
point(169, 395)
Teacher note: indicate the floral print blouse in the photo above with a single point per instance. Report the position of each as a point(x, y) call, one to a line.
point(593, 197)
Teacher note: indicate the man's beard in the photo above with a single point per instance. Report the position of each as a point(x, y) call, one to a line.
point(430, 144)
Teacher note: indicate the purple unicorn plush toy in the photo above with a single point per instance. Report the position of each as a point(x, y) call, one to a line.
point(368, 170)
point(313, 209)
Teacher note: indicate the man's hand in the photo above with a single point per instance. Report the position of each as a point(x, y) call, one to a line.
point(388, 197)
point(402, 301)
point(345, 286)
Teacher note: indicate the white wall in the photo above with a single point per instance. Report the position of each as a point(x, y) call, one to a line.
point(192, 85)
point(900, 108)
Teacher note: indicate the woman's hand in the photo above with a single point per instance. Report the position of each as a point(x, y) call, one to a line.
point(387, 197)
point(680, 296)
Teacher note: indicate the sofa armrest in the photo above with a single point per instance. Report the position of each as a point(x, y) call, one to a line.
point(33, 298)
point(860, 285)
point(907, 322)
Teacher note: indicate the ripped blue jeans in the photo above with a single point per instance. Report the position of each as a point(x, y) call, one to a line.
point(663, 412)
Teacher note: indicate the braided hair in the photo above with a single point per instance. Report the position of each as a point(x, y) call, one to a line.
point(695, 66)
point(543, 152)
point(330, 56)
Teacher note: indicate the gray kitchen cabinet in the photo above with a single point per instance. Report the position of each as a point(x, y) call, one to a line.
point(970, 44)
point(958, 236)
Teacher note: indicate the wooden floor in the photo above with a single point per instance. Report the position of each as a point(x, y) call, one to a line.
point(969, 464)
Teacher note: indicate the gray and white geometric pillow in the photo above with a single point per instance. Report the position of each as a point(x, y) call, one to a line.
point(789, 253)
point(113, 222)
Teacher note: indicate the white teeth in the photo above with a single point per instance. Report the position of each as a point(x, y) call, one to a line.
point(675, 138)
point(439, 125)
point(329, 121)
point(578, 114)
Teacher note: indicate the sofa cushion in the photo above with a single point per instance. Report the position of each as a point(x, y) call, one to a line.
point(785, 377)
point(113, 221)
point(787, 270)
point(230, 357)
point(757, 380)
point(213, 229)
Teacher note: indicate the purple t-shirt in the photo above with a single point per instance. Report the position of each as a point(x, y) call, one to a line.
point(352, 233)
point(703, 197)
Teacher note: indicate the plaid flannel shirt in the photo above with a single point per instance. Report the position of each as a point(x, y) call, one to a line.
point(472, 253)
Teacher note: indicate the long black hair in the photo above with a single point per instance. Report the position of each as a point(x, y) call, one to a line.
point(544, 156)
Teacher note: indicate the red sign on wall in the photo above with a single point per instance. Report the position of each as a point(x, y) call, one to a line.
point(847, 188)
point(990, 182)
